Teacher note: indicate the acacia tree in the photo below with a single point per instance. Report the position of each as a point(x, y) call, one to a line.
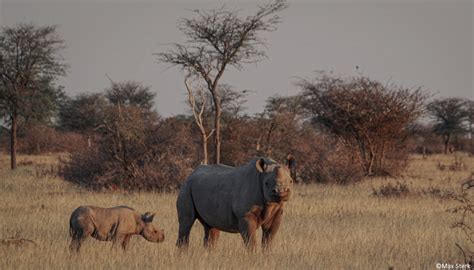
point(282, 115)
point(449, 115)
point(130, 93)
point(470, 122)
point(81, 113)
point(217, 39)
point(364, 113)
point(30, 62)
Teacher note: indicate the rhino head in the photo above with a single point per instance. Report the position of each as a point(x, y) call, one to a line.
point(150, 232)
point(276, 180)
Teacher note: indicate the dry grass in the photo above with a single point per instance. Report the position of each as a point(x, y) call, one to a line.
point(324, 227)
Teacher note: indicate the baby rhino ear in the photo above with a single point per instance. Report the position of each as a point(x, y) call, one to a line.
point(148, 217)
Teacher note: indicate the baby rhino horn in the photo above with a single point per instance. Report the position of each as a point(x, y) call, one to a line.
point(148, 217)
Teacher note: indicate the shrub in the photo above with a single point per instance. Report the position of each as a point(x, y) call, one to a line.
point(367, 114)
point(142, 154)
point(319, 157)
point(41, 139)
point(391, 190)
point(465, 220)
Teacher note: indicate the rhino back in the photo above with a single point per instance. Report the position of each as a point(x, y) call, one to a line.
point(222, 194)
point(114, 221)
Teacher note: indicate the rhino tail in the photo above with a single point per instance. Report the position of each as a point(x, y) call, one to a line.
point(71, 229)
point(75, 232)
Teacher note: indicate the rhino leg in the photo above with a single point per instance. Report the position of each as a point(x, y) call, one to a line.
point(116, 241)
point(125, 241)
point(79, 233)
point(76, 244)
point(211, 235)
point(270, 229)
point(186, 217)
point(248, 230)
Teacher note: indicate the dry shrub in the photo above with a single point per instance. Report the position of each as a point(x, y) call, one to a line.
point(465, 221)
point(177, 155)
point(439, 193)
point(456, 165)
point(42, 171)
point(322, 159)
point(41, 139)
point(138, 155)
point(16, 241)
point(319, 157)
point(422, 140)
point(239, 141)
point(391, 190)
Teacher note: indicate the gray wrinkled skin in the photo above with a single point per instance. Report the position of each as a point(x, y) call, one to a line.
point(115, 224)
point(234, 200)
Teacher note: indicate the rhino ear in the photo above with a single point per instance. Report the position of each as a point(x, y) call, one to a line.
point(260, 165)
point(148, 217)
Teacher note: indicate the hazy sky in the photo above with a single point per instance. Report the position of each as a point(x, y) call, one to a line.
point(413, 43)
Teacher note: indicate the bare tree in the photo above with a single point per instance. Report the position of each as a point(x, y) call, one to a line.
point(219, 38)
point(29, 64)
point(198, 113)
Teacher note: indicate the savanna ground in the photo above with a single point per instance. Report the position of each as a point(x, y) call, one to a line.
point(324, 226)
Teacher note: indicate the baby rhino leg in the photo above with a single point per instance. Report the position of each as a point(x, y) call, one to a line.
point(79, 232)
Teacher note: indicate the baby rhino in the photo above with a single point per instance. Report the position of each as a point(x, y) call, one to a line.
point(115, 224)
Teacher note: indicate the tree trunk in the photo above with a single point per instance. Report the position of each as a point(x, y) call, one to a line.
point(382, 158)
point(470, 138)
point(446, 143)
point(370, 167)
point(217, 126)
point(13, 143)
point(204, 149)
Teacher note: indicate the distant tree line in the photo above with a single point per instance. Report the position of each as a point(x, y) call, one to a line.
point(339, 129)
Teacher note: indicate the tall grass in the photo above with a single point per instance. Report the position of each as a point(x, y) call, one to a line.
point(324, 226)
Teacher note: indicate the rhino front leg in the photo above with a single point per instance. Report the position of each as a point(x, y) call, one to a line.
point(269, 230)
point(248, 230)
point(116, 241)
point(125, 241)
point(211, 235)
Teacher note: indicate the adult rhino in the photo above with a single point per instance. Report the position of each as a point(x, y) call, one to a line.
point(235, 200)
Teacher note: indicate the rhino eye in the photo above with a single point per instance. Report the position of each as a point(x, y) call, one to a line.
point(266, 184)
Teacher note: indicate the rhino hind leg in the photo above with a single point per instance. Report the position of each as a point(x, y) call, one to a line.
point(78, 236)
point(79, 229)
point(75, 245)
point(186, 217)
